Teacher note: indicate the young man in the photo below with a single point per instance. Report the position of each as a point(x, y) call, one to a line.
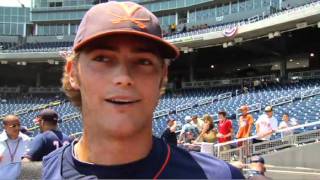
point(197, 122)
point(245, 123)
point(257, 169)
point(115, 78)
point(13, 145)
point(286, 123)
point(266, 125)
point(225, 129)
point(169, 135)
point(49, 139)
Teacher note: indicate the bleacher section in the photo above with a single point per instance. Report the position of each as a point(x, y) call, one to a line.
point(304, 109)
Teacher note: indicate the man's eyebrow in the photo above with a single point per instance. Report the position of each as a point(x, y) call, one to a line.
point(102, 47)
point(153, 51)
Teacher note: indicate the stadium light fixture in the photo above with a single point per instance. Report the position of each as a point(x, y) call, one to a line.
point(23, 63)
point(18, 63)
point(311, 54)
point(238, 69)
point(277, 34)
point(249, 65)
point(230, 44)
point(291, 60)
point(50, 61)
point(212, 66)
point(225, 45)
point(297, 63)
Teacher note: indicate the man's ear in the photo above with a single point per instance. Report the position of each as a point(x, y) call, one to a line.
point(73, 75)
point(164, 80)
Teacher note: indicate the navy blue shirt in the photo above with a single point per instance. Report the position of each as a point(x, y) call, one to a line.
point(164, 161)
point(46, 142)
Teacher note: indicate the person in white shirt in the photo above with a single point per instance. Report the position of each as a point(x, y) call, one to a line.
point(197, 122)
point(265, 125)
point(286, 123)
point(189, 132)
point(13, 145)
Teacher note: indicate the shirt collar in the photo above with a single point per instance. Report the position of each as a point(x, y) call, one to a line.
point(4, 136)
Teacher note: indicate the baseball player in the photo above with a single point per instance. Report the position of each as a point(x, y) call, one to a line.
point(115, 76)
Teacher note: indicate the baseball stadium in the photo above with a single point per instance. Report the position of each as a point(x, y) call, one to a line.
point(237, 58)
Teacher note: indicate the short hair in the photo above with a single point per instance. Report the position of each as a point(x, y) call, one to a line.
point(73, 94)
point(9, 118)
point(169, 120)
point(223, 113)
point(285, 114)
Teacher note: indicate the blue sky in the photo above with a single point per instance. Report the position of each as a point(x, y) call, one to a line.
point(15, 3)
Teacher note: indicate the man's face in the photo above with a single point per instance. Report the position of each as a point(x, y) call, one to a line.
point(221, 117)
point(195, 119)
point(285, 118)
point(119, 79)
point(244, 111)
point(12, 128)
point(171, 123)
point(269, 114)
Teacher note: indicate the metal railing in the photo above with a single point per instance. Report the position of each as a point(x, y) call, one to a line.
point(243, 149)
point(281, 100)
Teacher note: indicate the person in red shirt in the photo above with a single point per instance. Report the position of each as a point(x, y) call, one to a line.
point(225, 129)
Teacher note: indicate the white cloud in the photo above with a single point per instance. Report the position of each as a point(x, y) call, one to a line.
point(15, 3)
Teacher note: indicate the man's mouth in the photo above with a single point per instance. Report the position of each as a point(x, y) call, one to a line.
point(122, 101)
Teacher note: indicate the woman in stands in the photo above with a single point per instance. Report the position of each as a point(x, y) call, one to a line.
point(209, 133)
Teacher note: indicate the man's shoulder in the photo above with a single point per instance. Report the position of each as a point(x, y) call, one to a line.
point(52, 163)
point(222, 170)
point(212, 167)
point(24, 137)
point(54, 154)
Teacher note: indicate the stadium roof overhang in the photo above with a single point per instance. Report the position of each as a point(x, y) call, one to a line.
point(289, 20)
point(273, 25)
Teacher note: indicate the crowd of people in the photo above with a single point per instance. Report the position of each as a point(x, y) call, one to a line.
point(203, 129)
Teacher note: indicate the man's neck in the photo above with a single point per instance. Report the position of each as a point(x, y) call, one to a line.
point(104, 150)
point(12, 137)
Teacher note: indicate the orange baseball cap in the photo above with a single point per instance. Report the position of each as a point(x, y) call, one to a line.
point(122, 18)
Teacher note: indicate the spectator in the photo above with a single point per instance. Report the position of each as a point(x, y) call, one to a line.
point(173, 28)
point(189, 132)
point(257, 169)
point(169, 135)
point(115, 76)
point(266, 125)
point(197, 122)
point(13, 145)
point(245, 123)
point(286, 123)
point(225, 129)
point(49, 139)
point(208, 133)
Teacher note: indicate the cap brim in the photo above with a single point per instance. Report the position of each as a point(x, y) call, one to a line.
point(167, 50)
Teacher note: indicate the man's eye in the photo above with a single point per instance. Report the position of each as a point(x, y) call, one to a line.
point(145, 62)
point(101, 59)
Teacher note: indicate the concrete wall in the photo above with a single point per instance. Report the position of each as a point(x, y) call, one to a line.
point(304, 156)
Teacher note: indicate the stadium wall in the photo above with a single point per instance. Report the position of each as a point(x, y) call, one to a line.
point(302, 156)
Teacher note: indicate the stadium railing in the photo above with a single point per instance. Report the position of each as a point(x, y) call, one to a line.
point(243, 149)
point(304, 75)
point(225, 82)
